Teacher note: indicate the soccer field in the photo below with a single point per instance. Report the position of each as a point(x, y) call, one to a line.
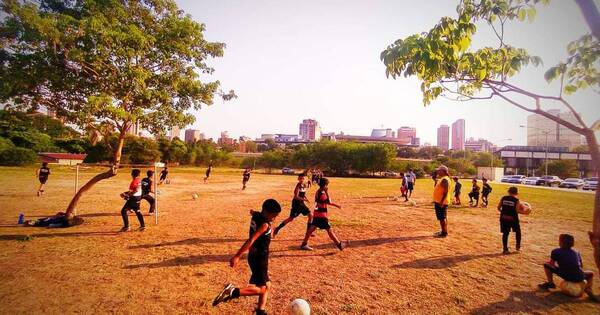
point(392, 265)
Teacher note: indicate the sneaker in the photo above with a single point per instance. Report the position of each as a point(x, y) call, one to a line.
point(505, 252)
point(547, 285)
point(340, 246)
point(225, 294)
point(124, 229)
point(592, 296)
point(441, 234)
point(306, 247)
point(142, 228)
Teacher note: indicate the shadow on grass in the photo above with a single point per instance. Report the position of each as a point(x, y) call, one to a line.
point(205, 259)
point(20, 237)
point(101, 214)
point(442, 262)
point(190, 241)
point(369, 242)
point(527, 302)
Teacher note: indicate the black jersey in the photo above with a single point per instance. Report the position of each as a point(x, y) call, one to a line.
point(246, 176)
point(457, 188)
point(44, 172)
point(302, 188)
point(260, 247)
point(146, 186)
point(508, 208)
point(164, 174)
point(487, 189)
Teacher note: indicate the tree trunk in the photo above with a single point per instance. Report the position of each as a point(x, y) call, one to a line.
point(108, 174)
point(592, 142)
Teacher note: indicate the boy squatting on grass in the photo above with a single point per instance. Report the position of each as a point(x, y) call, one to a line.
point(566, 263)
point(257, 247)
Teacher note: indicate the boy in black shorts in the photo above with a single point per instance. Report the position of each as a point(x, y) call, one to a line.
point(245, 177)
point(42, 175)
point(208, 170)
point(257, 247)
point(147, 189)
point(164, 174)
point(457, 188)
point(133, 197)
point(510, 208)
point(320, 220)
point(474, 194)
point(566, 263)
point(485, 192)
point(298, 205)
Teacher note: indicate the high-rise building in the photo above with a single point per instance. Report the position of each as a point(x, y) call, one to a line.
point(408, 134)
point(479, 145)
point(310, 130)
point(458, 135)
point(192, 135)
point(443, 137)
point(175, 132)
point(538, 127)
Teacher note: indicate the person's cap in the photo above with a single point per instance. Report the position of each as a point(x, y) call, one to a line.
point(442, 168)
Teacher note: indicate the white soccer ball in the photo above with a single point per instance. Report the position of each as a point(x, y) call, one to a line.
point(526, 206)
point(195, 196)
point(395, 198)
point(412, 203)
point(574, 289)
point(299, 307)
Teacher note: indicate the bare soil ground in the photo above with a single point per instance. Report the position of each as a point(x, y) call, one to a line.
point(393, 264)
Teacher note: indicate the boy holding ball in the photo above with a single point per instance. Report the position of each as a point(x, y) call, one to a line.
point(509, 208)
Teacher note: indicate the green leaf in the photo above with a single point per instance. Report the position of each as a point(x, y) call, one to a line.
point(531, 13)
point(522, 14)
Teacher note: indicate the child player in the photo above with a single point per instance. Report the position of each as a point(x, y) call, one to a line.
point(404, 186)
point(164, 174)
point(133, 197)
point(510, 208)
point(42, 174)
point(566, 263)
point(208, 170)
point(457, 187)
point(485, 192)
point(320, 219)
point(298, 205)
point(148, 189)
point(257, 247)
point(245, 177)
point(474, 194)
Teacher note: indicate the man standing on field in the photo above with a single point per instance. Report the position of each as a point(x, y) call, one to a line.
point(441, 198)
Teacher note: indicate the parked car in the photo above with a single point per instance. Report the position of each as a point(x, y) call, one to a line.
point(287, 170)
point(550, 181)
point(531, 181)
point(576, 183)
point(504, 179)
point(516, 179)
point(590, 183)
point(390, 174)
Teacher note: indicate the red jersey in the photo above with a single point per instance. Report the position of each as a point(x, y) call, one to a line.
point(321, 202)
point(136, 187)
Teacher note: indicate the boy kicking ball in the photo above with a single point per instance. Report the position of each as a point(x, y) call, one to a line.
point(257, 247)
point(320, 219)
point(298, 205)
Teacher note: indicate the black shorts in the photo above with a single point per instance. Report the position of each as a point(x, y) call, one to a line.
point(484, 195)
point(440, 211)
point(245, 179)
point(43, 180)
point(321, 223)
point(507, 226)
point(564, 275)
point(298, 208)
point(133, 203)
point(474, 195)
point(457, 194)
point(411, 186)
point(259, 266)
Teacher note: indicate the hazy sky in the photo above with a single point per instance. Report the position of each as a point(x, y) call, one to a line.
point(290, 60)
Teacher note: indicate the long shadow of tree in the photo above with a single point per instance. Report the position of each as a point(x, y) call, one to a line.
point(190, 241)
point(527, 302)
point(442, 262)
point(371, 242)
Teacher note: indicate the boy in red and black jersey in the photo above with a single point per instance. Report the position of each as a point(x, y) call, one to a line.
point(133, 197)
point(510, 208)
point(42, 175)
point(320, 219)
point(257, 246)
point(298, 205)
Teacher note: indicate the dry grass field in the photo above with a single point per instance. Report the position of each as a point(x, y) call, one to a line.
point(393, 264)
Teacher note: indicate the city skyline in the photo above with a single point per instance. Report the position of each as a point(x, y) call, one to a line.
point(322, 61)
